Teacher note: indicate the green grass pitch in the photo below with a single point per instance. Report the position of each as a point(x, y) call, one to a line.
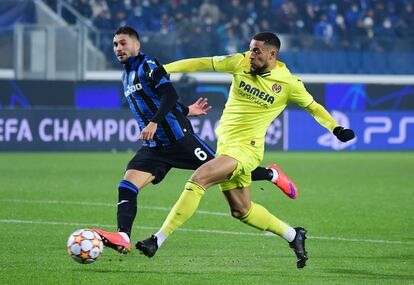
point(357, 207)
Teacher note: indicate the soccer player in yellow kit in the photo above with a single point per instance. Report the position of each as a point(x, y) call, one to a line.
point(261, 88)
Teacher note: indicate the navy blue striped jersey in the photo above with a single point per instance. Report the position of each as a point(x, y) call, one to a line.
point(141, 92)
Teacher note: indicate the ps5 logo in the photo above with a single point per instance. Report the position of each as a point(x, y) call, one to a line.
point(383, 125)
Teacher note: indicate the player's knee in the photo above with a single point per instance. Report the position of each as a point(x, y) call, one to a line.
point(127, 186)
point(196, 178)
point(239, 212)
point(200, 177)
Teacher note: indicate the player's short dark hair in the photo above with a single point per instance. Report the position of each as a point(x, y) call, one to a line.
point(269, 38)
point(126, 30)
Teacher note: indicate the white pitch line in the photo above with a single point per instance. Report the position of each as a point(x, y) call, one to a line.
point(15, 221)
point(57, 202)
point(182, 229)
point(363, 240)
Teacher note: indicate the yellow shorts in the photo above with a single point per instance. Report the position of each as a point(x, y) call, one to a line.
point(248, 160)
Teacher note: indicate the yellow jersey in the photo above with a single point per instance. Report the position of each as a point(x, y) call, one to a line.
point(255, 100)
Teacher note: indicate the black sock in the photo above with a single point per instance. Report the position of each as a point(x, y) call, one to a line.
point(127, 206)
point(262, 173)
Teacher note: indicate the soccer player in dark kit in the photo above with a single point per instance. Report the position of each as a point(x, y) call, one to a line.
point(167, 135)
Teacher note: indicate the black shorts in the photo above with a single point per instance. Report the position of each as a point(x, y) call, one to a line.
point(188, 153)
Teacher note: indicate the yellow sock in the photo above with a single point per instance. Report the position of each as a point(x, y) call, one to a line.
point(185, 207)
point(260, 218)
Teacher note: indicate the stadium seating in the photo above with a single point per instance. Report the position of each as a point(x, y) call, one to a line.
point(356, 44)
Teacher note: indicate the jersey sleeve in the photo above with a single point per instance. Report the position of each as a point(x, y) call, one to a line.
point(301, 96)
point(190, 65)
point(184, 109)
point(322, 116)
point(298, 93)
point(227, 63)
point(149, 66)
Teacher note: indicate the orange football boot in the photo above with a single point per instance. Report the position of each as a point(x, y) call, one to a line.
point(115, 240)
point(284, 183)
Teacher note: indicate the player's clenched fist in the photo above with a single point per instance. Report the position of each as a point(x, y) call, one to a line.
point(343, 135)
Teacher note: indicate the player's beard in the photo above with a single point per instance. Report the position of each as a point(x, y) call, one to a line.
point(258, 70)
point(124, 58)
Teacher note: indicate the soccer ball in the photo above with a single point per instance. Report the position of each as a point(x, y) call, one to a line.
point(85, 246)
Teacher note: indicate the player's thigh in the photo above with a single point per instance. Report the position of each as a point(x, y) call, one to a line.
point(138, 178)
point(248, 159)
point(215, 171)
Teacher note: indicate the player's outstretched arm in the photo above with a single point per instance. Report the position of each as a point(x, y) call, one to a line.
point(326, 120)
point(190, 65)
point(185, 65)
